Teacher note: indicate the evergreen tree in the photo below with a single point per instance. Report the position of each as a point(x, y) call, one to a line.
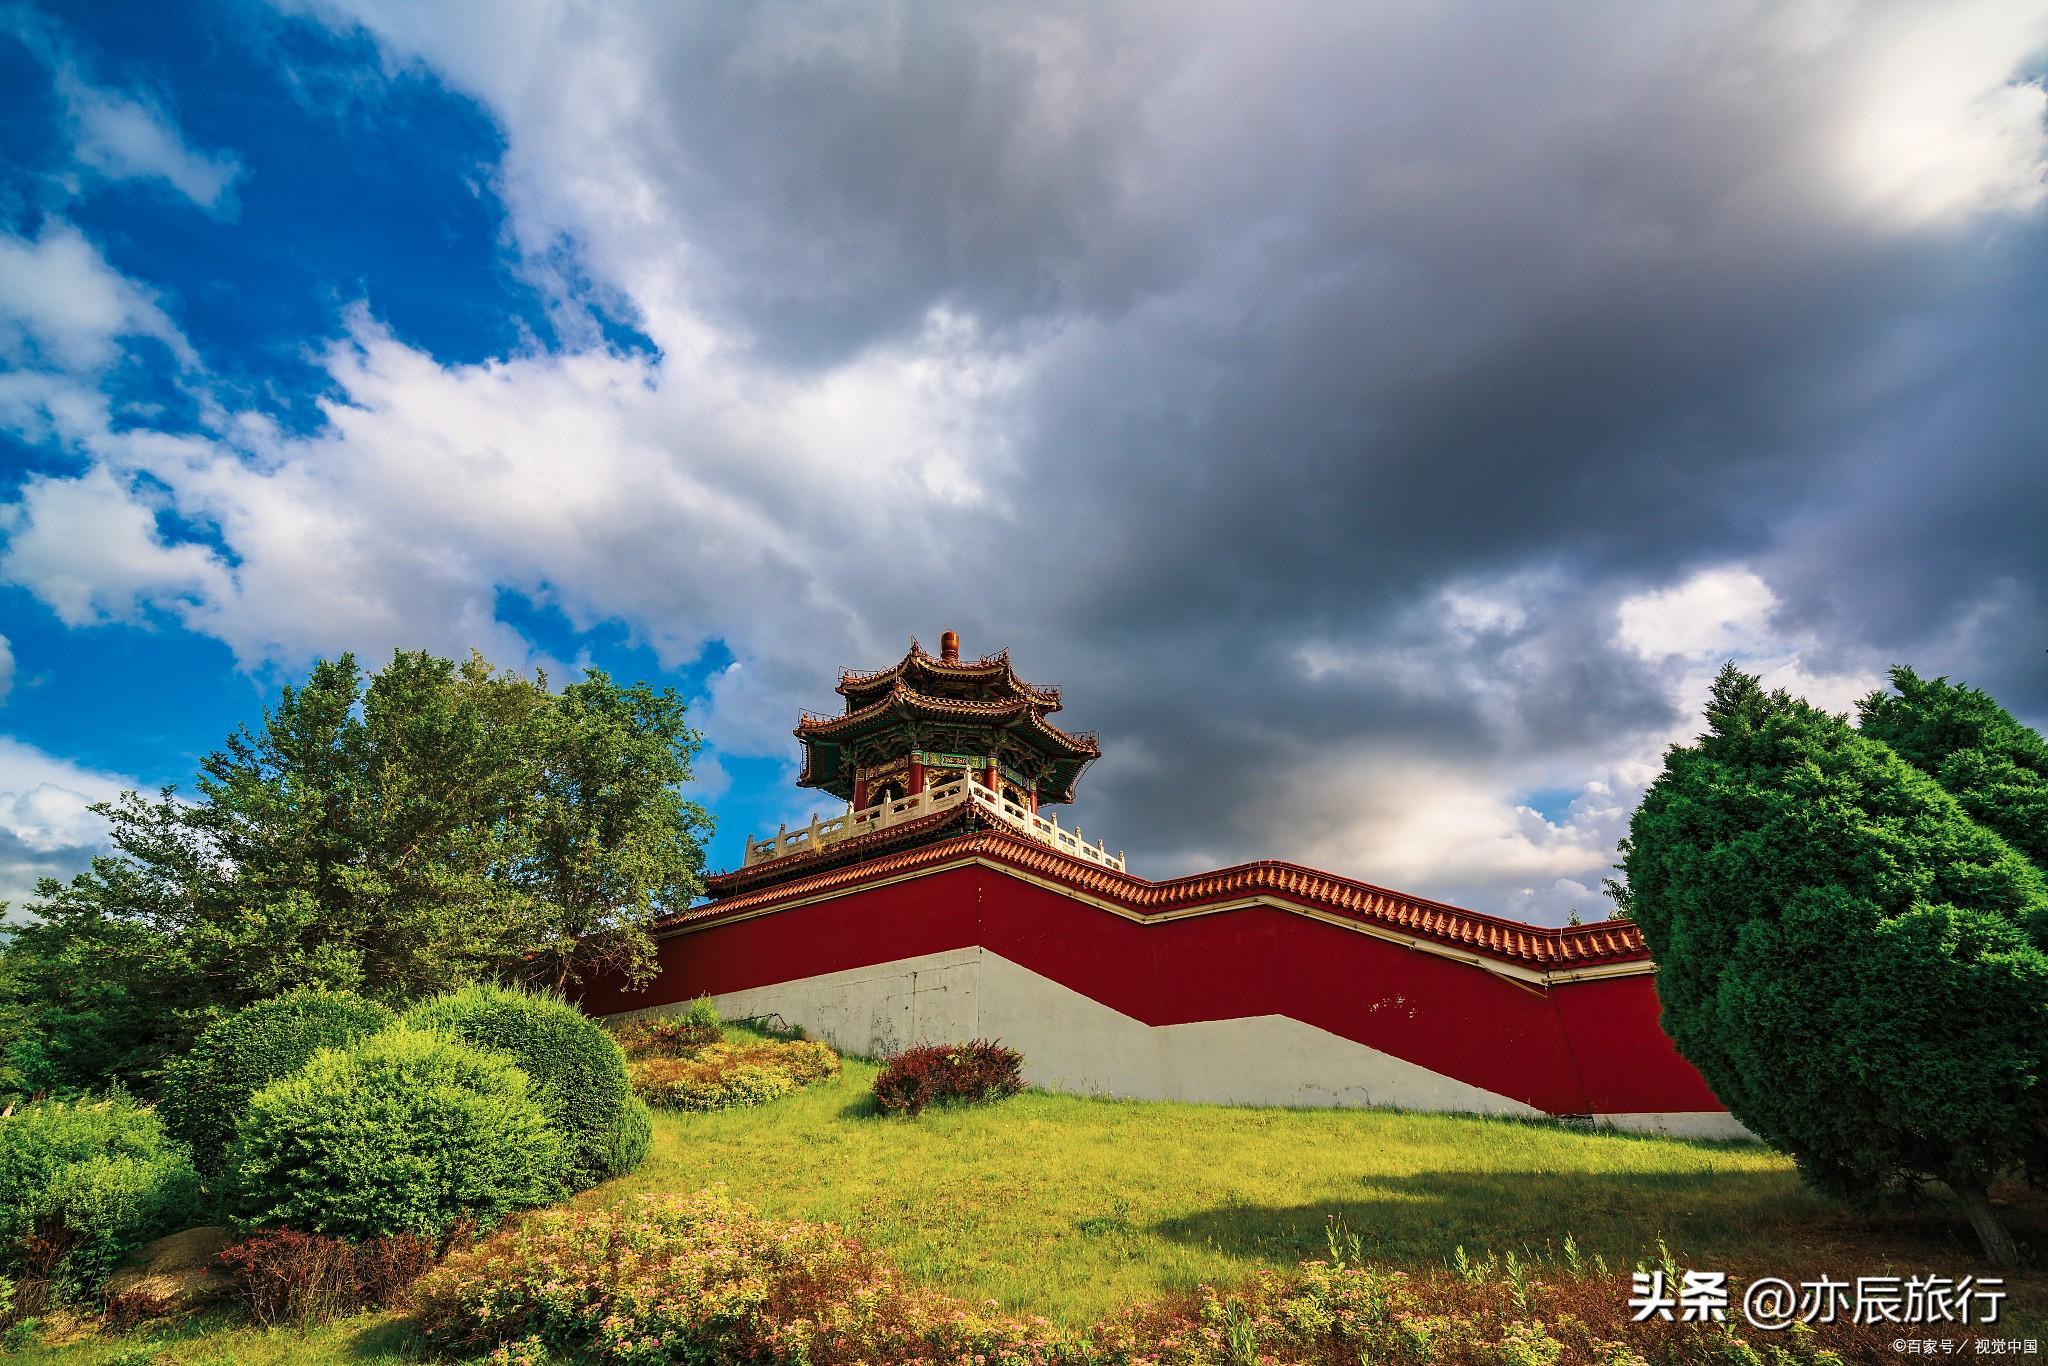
point(1990, 763)
point(1854, 965)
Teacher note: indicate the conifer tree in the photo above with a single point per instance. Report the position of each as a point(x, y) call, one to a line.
point(1996, 768)
point(1853, 963)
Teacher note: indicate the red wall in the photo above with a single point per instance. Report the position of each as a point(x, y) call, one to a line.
point(1580, 1048)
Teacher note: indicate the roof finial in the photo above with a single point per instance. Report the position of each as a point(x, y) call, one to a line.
point(949, 647)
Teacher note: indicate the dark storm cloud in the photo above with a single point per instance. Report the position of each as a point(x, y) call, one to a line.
point(1543, 299)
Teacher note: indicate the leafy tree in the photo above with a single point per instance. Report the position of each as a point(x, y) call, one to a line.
point(609, 842)
point(1996, 768)
point(1854, 964)
point(433, 823)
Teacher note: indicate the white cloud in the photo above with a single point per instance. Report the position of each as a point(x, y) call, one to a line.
point(46, 829)
point(6, 668)
point(1936, 128)
point(63, 305)
point(89, 548)
point(1723, 614)
point(1720, 612)
point(127, 138)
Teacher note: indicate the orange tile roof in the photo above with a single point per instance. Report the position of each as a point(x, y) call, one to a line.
point(1510, 941)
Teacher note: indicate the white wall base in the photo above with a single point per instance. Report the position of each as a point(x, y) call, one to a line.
point(1074, 1044)
point(1679, 1124)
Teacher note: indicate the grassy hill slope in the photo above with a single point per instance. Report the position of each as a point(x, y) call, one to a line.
point(1067, 1207)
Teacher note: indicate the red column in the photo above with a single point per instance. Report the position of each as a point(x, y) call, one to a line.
point(860, 794)
point(988, 776)
point(916, 778)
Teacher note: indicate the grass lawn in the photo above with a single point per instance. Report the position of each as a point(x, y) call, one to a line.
point(1068, 1207)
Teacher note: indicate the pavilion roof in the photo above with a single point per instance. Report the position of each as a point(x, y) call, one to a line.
point(1023, 716)
point(940, 674)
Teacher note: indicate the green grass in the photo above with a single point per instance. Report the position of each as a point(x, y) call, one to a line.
point(1068, 1207)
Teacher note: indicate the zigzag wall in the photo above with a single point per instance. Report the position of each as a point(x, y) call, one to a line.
point(1253, 1002)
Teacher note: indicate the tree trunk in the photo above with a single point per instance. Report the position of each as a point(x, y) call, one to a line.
point(1998, 1245)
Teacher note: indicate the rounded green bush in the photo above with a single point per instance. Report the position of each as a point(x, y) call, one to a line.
point(205, 1092)
point(577, 1067)
point(99, 1175)
point(407, 1131)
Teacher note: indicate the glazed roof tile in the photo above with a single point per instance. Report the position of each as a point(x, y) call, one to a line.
point(1510, 941)
point(995, 666)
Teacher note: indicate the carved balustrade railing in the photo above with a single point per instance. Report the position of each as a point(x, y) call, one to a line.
point(823, 834)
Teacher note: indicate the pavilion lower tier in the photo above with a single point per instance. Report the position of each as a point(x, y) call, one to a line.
point(1251, 1003)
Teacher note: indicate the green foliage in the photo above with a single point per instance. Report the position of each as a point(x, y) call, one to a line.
point(406, 1131)
point(1849, 959)
point(628, 1142)
point(1995, 768)
point(434, 822)
point(702, 1014)
point(87, 999)
point(577, 1068)
point(81, 1183)
point(206, 1091)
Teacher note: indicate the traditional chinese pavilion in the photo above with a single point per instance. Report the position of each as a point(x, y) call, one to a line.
point(947, 901)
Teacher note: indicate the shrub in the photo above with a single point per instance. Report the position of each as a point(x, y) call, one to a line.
point(665, 1036)
point(206, 1091)
point(726, 1076)
point(807, 1060)
point(714, 1083)
point(576, 1067)
point(81, 1183)
point(627, 1145)
point(938, 1074)
point(285, 1276)
point(407, 1131)
point(132, 1308)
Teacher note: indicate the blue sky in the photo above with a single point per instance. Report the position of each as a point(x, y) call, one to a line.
point(1380, 422)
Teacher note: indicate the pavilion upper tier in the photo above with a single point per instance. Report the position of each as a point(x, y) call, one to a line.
point(928, 719)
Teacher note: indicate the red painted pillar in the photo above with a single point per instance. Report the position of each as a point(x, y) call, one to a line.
point(916, 778)
point(988, 776)
point(860, 794)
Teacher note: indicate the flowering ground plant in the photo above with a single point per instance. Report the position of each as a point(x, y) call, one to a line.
point(662, 1278)
point(702, 1279)
point(727, 1075)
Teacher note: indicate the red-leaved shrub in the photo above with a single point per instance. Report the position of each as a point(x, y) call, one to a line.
point(951, 1073)
point(286, 1276)
point(132, 1308)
